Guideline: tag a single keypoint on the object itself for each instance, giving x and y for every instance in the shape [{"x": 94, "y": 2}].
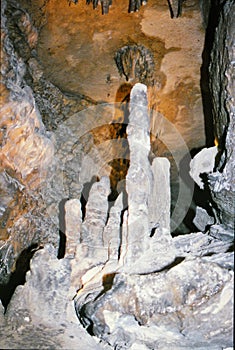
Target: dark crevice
[
  {"x": 62, "y": 229},
  {"x": 230, "y": 249},
  {"x": 85, "y": 194},
  {"x": 170, "y": 8},
  {"x": 17, "y": 277},
  {"x": 209, "y": 254},
  {"x": 213, "y": 20},
  {"x": 85, "y": 321},
  {"x": 179, "y": 9},
  {"x": 125, "y": 206},
  {"x": 152, "y": 233},
  {"x": 212, "y": 208},
  {"x": 177, "y": 261}
]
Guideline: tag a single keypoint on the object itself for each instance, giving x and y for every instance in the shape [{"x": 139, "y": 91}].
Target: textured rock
[
  {"x": 95, "y": 220},
  {"x": 162, "y": 290},
  {"x": 200, "y": 244},
  {"x": 139, "y": 176},
  {"x": 41, "y": 313},
  {"x": 222, "y": 89},
  {"x": 112, "y": 230},
  {"x": 26, "y": 148},
  {"x": 202, "y": 219},
  {"x": 139, "y": 309}
]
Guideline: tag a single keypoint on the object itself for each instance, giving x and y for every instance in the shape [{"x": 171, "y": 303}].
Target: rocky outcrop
[{"x": 221, "y": 181}]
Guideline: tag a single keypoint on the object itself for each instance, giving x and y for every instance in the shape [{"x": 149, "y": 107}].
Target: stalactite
[
  {"x": 105, "y": 6},
  {"x": 134, "y": 5},
  {"x": 175, "y": 6},
  {"x": 135, "y": 62},
  {"x": 94, "y": 2}
]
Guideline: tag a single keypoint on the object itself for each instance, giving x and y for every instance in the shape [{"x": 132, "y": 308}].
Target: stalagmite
[
  {"x": 95, "y": 220},
  {"x": 73, "y": 220},
  {"x": 160, "y": 199},
  {"x": 112, "y": 234},
  {"x": 148, "y": 191},
  {"x": 139, "y": 176}
]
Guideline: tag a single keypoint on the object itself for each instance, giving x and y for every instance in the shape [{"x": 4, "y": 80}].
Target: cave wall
[
  {"x": 26, "y": 150},
  {"x": 222, "y": 84}
]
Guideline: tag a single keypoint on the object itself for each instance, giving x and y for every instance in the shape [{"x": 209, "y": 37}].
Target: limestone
[
  {"x": 136, "y": 63},
  {"x": 96, "y": 213},
  {"x": 139, "y": 176},
  {"x": 137, "y": 240},
  {"x": 27, "y": 148},
  {"x": 157, "y": 281},
  {"x": 112, "y": 231}
]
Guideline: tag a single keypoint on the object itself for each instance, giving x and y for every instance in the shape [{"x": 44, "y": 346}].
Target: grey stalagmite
[{"x": 145, "y": 184}]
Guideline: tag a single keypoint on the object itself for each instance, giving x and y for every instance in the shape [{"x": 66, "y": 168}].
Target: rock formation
[
  {"x": 135, "y": 63},
  {"x": 221, "y": 181},
  {"x": 129, "y": 299},
  {"x": 219, "y": 163},
  {"x": 87, "y": 256}
]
